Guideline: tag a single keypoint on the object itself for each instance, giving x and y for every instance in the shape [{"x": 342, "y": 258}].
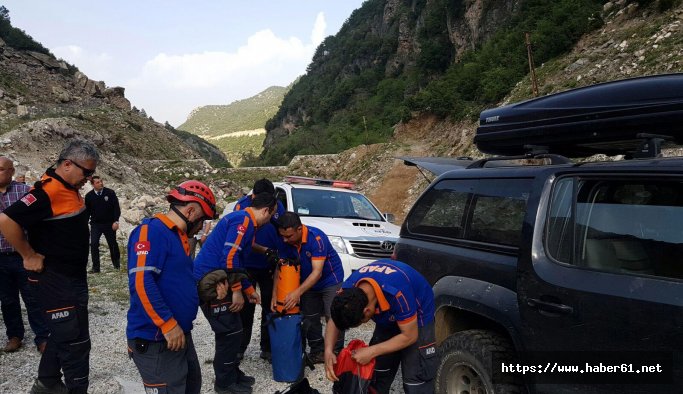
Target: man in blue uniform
[
  {"x": 260, "y": 270},
  {"x": 321, "y": 276},
  {"x": 227, "y": 247},
  {"x": 401, "y": 303},
  {"x": 163, "y": 292}
]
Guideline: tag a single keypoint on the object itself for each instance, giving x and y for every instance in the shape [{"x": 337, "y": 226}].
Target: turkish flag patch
[
  {"x": 29, "y": 199},
  {"x": 241, "y": 228},
  {"x": 142, "y": 247}
]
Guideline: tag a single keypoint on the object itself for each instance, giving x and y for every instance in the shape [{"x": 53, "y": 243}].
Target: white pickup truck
[{"x": 358, "y": 231}]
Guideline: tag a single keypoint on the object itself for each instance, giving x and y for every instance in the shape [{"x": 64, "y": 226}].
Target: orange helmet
[{"x": 195, "y": 191}]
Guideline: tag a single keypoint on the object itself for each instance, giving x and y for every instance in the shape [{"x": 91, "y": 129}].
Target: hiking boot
[
  {"x": 94, "y": 271},
  {"x": 317, "y": 358},
  {"x": 235, "y": 388},
  {"x": 13, "y": 344},
  {"x": 244, "y": 379},
  {"x": 40, "y": 388}
]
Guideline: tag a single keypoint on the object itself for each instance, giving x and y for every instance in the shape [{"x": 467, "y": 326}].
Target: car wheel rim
[{"x": 463, "y": 379}]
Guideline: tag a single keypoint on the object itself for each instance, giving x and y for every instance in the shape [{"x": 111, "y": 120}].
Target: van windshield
[{"x": 333, "y": 204}]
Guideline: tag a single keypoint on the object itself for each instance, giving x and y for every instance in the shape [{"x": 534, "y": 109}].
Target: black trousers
[
  {"x": 65, "y": 303},
  {"x": 96, "y": 231},
  {"x": 165, "y": 371},
  {"x": 13, "y": 282},
  {"x": 418, "y": 361},
  {"x": 227, "y": 327},
  {"x": 264, "y": 279},
  {"x": 314, "y": 305}
]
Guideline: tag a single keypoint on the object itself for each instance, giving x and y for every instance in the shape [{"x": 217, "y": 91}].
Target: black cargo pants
[
  {"x": 264, "y": 279},
  {"x": 227, "y": 327},
  {"x": 164, "y": 371},
  {"x": 64, "y": 300},
  {"x": 418, "y": 361}
]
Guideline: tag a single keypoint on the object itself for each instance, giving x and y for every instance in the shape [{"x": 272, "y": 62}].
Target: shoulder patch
[
  {"x": 142, "y": 247},
  {"x": 29, "y": 199},
  {"x": 241, "y": 229}
]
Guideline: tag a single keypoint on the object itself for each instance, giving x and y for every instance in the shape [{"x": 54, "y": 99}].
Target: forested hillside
[
  {"x": 248, "y": 114},
  {"x": 396, "y": 60}
]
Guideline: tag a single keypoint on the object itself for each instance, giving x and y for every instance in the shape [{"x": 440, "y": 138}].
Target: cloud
[
  {"x": 98, "y": 65},
  {"x": 170, "y": 86}
]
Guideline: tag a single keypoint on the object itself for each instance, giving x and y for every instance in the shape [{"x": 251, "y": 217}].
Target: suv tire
[{"x": 466, "y": 359}]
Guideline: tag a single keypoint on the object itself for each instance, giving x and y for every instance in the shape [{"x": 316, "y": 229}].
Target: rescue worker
[
  {"x": 55, "y": 252},
  {"x": 259, "y": 268},
  {"x": 401, "y": 303},
  {"x": 321, "y": 276},
  {"x": 227, "y": 247},
  {"x": 163, "y": 292}
]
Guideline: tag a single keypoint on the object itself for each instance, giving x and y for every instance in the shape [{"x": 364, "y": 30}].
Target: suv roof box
[{"x": 607, "y": 118}]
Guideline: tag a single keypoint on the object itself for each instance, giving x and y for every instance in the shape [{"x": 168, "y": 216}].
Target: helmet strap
[{"x": 190, "y": 226}]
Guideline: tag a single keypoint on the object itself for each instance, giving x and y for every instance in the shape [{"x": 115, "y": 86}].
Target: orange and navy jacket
[
  {"x": 54, "y": 216},
  {"x": 227, "y": 246},
  {"x": 163, "y": 292},
  {"x": 315, "y": 246},
  {"x": 266, "y": 235},
  {"x": 403, "y": 295}
]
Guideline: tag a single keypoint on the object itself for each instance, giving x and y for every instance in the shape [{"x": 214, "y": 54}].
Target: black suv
[{"x": 542, "y": 264}]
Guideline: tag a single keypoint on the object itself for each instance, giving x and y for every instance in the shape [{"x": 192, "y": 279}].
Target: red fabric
[{"x": 345, "y": 363}]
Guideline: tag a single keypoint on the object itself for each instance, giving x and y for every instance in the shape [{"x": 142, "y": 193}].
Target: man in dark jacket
[
  {"x": 104, "y": 219},
  {"x": 56, "y": 255}
]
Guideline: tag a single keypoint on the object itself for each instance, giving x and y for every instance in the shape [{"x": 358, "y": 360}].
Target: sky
[{"x": 173, "y": 56}]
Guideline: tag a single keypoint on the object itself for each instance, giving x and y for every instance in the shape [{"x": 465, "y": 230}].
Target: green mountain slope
[
  {"x": 394, "y": 60},
  {"x": 247, "y": 114}
]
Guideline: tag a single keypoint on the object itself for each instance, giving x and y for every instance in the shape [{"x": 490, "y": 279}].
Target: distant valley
[{"x": 238, "y": 128}]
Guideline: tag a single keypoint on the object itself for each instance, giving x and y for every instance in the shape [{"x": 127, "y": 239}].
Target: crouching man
[
  {"x": 226, "y": 248},
  {"x": 401, "y": 303},
  {"x": 163, "y": 292}
]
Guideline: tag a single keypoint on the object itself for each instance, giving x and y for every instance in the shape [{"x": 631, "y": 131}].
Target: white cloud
[
  {"x": 170, "y": 86},
  {"x": 98, "y": 66}
]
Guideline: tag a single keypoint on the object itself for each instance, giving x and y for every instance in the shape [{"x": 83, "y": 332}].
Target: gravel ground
[{"x": 110, "y": 369}]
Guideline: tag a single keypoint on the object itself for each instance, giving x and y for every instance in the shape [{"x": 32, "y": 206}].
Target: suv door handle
[{"x": 549, "y": 307}]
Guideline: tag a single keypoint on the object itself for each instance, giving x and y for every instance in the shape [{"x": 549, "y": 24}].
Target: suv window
[
  {"x": 489, "y": 210},
  {"x": 625, "y": 226},
  {"x": 281, "y": 195}
]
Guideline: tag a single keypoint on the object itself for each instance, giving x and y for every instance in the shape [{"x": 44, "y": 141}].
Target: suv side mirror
[{"x": 390, "y": 217}]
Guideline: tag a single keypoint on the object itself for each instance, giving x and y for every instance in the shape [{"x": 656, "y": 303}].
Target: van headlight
[{"x": 338, "y": 244}]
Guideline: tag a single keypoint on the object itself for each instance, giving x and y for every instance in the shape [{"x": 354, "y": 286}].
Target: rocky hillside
[
  {"x": 394, "y": 60},
  {"x": 634, "y": 41}
]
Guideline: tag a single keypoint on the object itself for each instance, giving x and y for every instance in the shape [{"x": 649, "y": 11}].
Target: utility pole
[{"x": 532, "y": 69}]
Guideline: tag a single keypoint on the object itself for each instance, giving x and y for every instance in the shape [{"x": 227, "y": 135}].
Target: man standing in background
[
  {"x": 56, "y": 252},
  {"x": 104, "y": 219},
  {"x": 13, "y": 276}
]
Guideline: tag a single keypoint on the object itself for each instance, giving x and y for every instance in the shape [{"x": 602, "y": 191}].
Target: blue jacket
[
  {"x": 163, "y": 292},
  {"x": 266, "y": 235},
  {"x": 227, "y": 246},
  {"x": 403, "y": 294},
  {"x": 315, "y": 246}
]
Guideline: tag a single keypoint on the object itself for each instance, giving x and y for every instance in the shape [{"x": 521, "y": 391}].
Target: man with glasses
[{"x": 56, "y": 255}]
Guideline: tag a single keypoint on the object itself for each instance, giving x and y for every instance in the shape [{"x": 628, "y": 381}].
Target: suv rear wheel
[{"x": 466, "y": 359}]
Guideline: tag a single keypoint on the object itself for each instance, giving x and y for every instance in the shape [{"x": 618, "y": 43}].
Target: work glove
[{"x": 272, "y": 257}]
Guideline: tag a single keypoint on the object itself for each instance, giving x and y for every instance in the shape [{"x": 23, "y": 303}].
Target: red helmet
[{"x": 195, "y": 191}]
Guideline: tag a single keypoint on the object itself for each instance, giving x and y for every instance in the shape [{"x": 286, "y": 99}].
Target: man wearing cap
[
  {"x": 56, "y": 255},
  {"x": 163, "y": 292}
]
